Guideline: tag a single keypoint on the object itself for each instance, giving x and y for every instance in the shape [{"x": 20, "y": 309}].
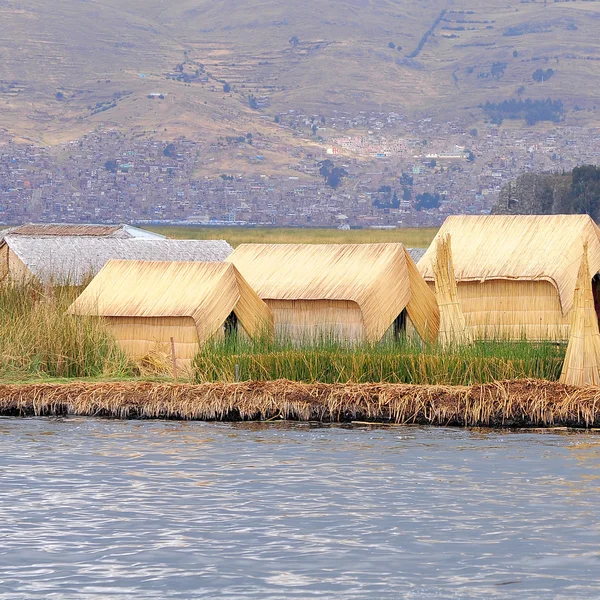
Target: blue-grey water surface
[{"x": 100, "y": 509}]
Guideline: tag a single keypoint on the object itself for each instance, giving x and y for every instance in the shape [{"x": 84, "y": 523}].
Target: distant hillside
[
  {"x": 203, "y": 67},
  {"x": 552, "y": 193}
]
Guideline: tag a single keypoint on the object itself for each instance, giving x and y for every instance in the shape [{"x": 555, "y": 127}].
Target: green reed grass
[
  {"x": 417, "y": 237},
  {"x": 39, "y": 338},
  {"x": 404, "y": 361}
]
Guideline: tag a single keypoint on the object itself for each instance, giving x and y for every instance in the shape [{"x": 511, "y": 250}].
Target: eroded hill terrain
[{"x": 199, "y": 67}]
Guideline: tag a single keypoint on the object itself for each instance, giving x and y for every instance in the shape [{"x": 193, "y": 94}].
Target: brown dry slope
[{"x": 67, "y": 66}]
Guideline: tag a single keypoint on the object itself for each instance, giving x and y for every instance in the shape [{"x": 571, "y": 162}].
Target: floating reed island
[
  {"x": 497, "y": 325},
  {"x": 519, "y": 403}
]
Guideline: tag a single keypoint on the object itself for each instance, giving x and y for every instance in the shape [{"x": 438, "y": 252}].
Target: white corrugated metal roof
[{"x": 73, "y": 259}]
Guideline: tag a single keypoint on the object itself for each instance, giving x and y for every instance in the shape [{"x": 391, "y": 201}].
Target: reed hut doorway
[
  {"x": 400, "y": 326},
  {"x": 596, "y": 292},
  {"x": 230, "y": 326}
]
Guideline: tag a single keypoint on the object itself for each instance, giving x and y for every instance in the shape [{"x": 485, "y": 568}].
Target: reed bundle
[
  {"x": 583, "y": 352},
  {"x": 453, "y": 327},
  {"x": 518, "y": 403}
]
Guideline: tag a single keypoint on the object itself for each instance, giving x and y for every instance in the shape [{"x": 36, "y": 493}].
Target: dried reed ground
[{"x": 518, "y": 403}]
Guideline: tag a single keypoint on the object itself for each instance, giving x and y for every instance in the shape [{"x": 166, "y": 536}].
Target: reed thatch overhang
[
  {"x": 381, "y": 279},
  {"x": 519, "y": 248},
  {"x": 72, "y": 259},
  {"x": 76, "y": 229},
  {"x": 204, "y": 291}
]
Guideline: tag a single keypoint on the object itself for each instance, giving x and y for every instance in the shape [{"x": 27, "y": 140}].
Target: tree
[
  {"x": 252, "y": 102},
  {"x": 226, "y": 88},
  {"x": 60, "y": 96},
  {"x": 427, "y": 201},
  {"x": 540, "y": 75},
  {"x": 331, "y": 174},
  {"x": 391, "y": 45},
  {"x": 294, "y": 41},
  {"x": 276, "y": 119},
  {"x": 385, "y": 197},
  {"x": 111, "y": 165},
  {"x": 170, "y": 151},
  {"x": 406, "y": 179},
  {"x": 470, "y": 156},
  {"x": 585, "y": 190}
]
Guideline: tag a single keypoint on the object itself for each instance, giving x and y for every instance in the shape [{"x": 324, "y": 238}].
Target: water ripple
[{"x": 116, "y": 510}]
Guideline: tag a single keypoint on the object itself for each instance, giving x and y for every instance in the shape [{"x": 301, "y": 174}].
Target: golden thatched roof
[
  {"x": 519, "y": 247},
  {"x": 206, "y": 292},
  {"x": 381, "y": 279}
]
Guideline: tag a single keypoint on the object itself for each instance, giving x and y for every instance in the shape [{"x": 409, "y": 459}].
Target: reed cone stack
[
  {"x": 453, "y": 327},
  {"x": 581, "y": 366}
]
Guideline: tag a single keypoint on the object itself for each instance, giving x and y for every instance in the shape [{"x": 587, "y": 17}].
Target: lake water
[{"x": 96, "y": 509}]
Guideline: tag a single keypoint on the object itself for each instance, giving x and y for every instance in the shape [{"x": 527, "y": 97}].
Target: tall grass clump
[
  {"x": 402, "y": 361},
  {"x": 39, "y": 338}
]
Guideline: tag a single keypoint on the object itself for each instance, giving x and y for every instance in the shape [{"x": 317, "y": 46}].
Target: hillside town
[{"x": 393, "y": 172}]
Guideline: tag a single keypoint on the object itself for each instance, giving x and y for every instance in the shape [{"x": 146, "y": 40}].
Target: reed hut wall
[
  {"x": 513, "y": 310},
  {"x": 139, "y": 336},
  {"x": 3, "y": 261},
  {"x": 516, "y": 275},
  {"x": 352, "y": 292},
  {"x": 313, "y": 320},
  {"x": 145, "y": 303},
  {"x": 11, "y": 266}
]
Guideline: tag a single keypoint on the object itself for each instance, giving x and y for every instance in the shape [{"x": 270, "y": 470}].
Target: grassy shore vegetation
[
  {"x": 411, "y": 237},
  {"x": 403, "y": 361},
  {"x": 39, "y": 340}
]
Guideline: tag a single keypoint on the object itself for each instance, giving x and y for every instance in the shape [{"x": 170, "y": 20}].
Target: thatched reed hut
[
  {"x": 145, "y": 303},
  {"x": 348, "y": 292},
  {"x": 516, "y": 275},
  {"x": 73, "y": 259}
]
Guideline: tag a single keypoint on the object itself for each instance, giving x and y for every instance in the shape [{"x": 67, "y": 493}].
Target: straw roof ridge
[
  {"x": 82, "y": 229},
  {"x": 314, "y": 271},
  {"x": 519, "y": 247},
  {"x": 73, "y": 258}
]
